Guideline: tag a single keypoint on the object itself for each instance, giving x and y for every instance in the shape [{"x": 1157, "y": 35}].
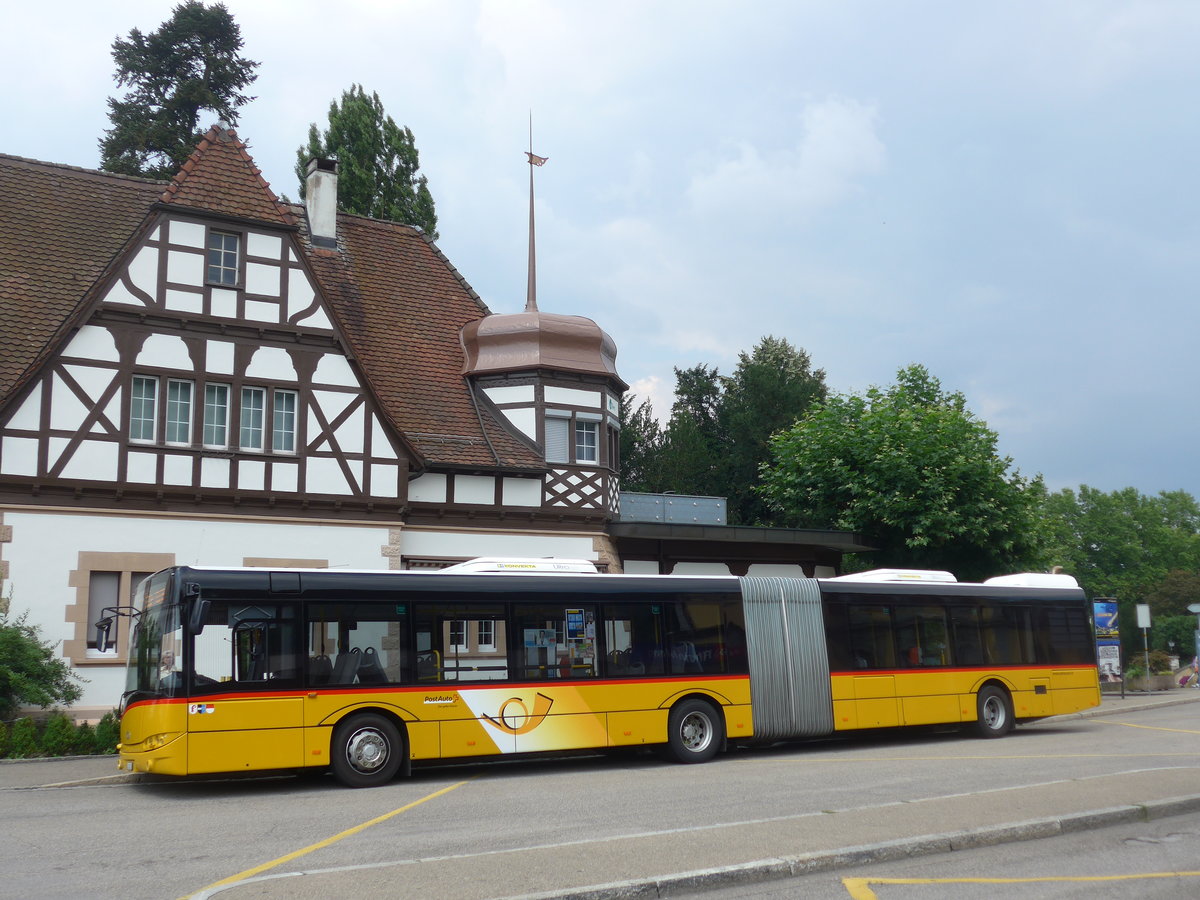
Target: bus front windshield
[{"x": 156, "y": 653}]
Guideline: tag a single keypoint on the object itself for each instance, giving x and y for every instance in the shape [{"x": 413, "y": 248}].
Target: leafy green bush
[
  {"x": 23, "y": 739},
  {"x": 107, "y": 734},
  {"x": 58, "y": 736},
  {"x": 31, "y": 673},
  {"x": 3, "y": 740}
]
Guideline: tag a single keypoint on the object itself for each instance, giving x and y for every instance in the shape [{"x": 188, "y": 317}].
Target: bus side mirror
[
  {"x": 199, "y": 614},
  {"x": 102, "y": 629}
]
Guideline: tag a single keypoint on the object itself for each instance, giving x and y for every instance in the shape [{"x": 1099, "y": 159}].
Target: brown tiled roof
[
  {"x": 60, "y": 229},
  {"x": 398, "y": 301},
  {"x": 221, "y": 178},
  {"x": 402, "y": 305}
]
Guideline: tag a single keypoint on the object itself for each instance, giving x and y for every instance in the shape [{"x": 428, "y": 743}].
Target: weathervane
[{"x": 531, "y": 287}]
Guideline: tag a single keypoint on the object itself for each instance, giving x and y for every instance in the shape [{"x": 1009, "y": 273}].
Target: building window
[
  {"x": 254, "y": 401},
  {"x": 458, "y": 636},
  {"x": 487, "y": 636},
  {"x": 222, "y": 258},
  {"x": 179, "y": 412},
  {"x": 558, "y": 441},
  {"x": 587, "y": 442},
  {"x": 216, "y": 415},
  {"x": 100, "y": 581},
  {"x": 143, "y": 407},
  {"x": 283, "y": 433}
]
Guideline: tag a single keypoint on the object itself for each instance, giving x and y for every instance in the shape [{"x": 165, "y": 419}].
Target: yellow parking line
[
  {"x": 1154, "y": 727},
  {"x": 860, "y": 888},
  {"x": 349, "y": 832}
]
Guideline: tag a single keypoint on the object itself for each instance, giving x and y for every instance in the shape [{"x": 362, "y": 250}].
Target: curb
[{"x": 779, "y": 868}]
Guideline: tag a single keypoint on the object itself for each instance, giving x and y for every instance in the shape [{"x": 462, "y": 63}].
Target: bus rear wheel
[
  {"x": 367, "y": 750},
  {"x": 694, "y": 732},
  {"x": 995, "y": 713}
]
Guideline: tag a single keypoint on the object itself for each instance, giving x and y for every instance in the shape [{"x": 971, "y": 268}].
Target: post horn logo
[{"x": 514, "y": 716}]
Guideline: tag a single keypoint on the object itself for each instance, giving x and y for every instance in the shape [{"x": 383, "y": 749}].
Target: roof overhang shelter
[{"x": 737, "y": 546}]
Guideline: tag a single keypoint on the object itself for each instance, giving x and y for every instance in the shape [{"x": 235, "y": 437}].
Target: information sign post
[{"x": 1143, "y": 621}]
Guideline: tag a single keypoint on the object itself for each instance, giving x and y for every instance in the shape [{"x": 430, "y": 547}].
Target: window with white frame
[
  {"x": 458, "y": 636},
  {"x": 587, "y": 442},
  {"x": 179, "y": 412},
  {"x": 222, "y": 260},
  {"x": 143, "y": 408},
  {"x": 487, "y": 635},
  {"x": 283, "y": 431},
  {"x": 253, "y": 418},
  {"x": 216, "y": 416}
]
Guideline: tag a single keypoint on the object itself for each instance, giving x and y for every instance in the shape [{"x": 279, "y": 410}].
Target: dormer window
[{"x": 222, "y": 258}]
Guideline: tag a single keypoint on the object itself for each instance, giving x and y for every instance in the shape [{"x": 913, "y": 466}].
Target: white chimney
[{"x": 320, "y": 201}]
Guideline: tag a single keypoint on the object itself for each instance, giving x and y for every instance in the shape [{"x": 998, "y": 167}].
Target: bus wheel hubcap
[
  {"x": 695, "y": 732},
  {"x": 367, "y": 750}
]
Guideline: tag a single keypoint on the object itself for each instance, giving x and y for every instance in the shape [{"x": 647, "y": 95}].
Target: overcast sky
[{"x": 1005, "y": 193}]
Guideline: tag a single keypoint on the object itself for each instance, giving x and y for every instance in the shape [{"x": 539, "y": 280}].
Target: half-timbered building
[{"x": 196, "y": 372}]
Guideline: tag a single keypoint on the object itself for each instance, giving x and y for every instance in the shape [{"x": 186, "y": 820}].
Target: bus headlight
[{"x": 159, "y": 740}]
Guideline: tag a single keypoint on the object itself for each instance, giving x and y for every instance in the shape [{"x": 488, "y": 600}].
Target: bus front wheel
[
  {"x": 367, "y": 750},
  {"x": 695, "y": 731},
  {"x": 995, "y": 712}
]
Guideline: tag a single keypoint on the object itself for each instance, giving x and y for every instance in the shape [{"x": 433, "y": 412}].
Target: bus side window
[
  {"x": 837, "y": 640},
  {"x": 871, "y": 638},
  {"x": 964, "y": 626}
]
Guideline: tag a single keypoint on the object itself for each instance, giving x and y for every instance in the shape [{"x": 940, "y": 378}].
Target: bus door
[{"x": 245, "y": 711}]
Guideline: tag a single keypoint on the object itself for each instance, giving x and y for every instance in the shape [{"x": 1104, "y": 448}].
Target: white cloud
[{"x": 837, "y": 147}]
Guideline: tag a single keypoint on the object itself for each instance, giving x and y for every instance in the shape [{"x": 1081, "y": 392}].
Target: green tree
[
  {"x": 912, "y": 469},
  {"x": 771, "y": 388},
  {"x": 693, "y": 442},
  {"x": 191, "y": 64},
  {"x": 641, "y": 446},
  {"x": 377, "y": 162},
  {"x": 1132, "y": 547},
  {"x": 31, "y": 674}
]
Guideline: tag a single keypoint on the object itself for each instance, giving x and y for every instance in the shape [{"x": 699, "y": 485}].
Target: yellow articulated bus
[{"x": 236, "y": 670}]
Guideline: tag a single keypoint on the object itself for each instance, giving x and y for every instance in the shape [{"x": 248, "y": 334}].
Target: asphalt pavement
[{"x": 653, "y": 866}]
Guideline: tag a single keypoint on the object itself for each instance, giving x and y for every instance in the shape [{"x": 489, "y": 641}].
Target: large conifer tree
[{"x": 191, "y": 65}]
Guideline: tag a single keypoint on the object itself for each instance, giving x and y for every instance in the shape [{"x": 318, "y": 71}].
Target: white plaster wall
[
  {"x": 414, "y": 542},
  {"x": 45, "y": 549},
  {"x": 572, "y": 396},
  {"x": 219, "y": 358},
  {"x": 428, "y": 488},
  {"x": 185, "y": 301},
  {"x": 189, "y": 234},
  {"x": 769, "y": 569},
  {"x": 18, "y": 456},
  {"x": 524, "y": 419},
  {"x": 522, "y": 492},
  {"x": 224, "y": 303},
  {"x": 271, "y": 364},
  {"x": 268, "y": 245},
  {"x": 700, "y": 568},
  {"x": 334, "y": 369},
  {"x": 182, "y": 268},
  {"x": 30, "y": 413},
  {"x": 475, "y": 489},
  {"x": 262, "y": 279},
  {"x": 517, "y": 393},
  {"x": 639, "y": 567},
  {"x": 164, "y": 351},
  {"x": 93, "y": 342},
  {"x": 143, "y": 270},
  {"x": 93, "y": 461}
]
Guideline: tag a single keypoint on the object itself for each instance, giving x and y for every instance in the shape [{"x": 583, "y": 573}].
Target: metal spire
[{"x": 531, "y": 286}]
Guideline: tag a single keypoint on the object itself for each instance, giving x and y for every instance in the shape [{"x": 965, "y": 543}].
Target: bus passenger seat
[
  {"x": 320, "y": 669},
  {"x": 346, "y": 667},
  {"x": 370, "y": 671}
]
